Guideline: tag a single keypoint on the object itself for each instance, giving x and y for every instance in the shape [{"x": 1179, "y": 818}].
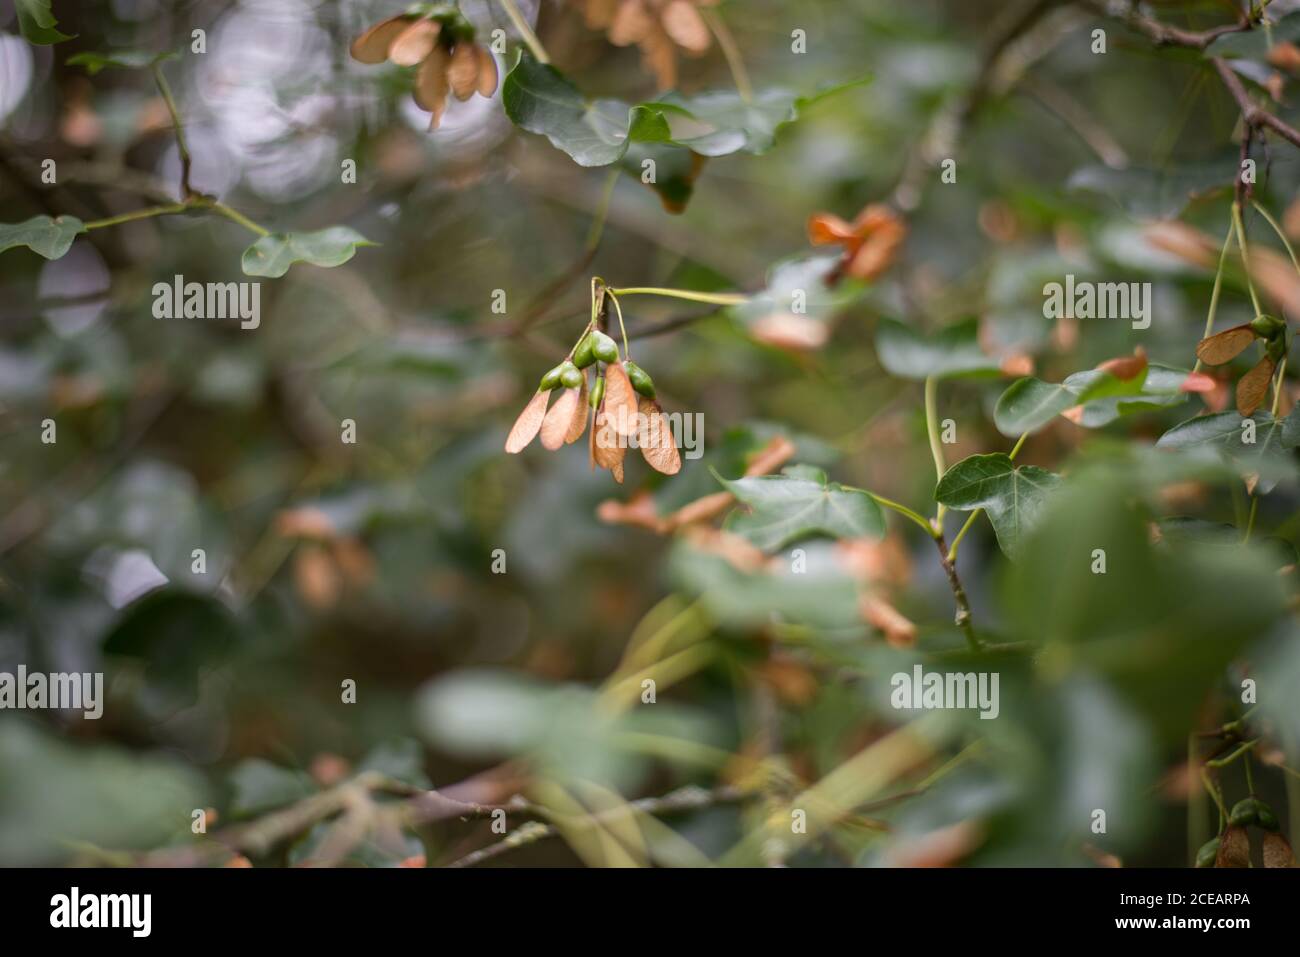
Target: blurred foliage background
[{"x": 373, "y": 562}]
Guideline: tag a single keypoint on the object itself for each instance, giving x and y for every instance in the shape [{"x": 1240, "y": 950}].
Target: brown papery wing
[
  {"x": 1224, "y": 346},
  {"x": 579, "y": 423},
  {"x": 529, "y": 421},
  {"x": 655, "y": 439},
  {"x": 620, "y": 400},
  {"x": 372, "y": 46},
  {"x": 1253, "y": 386},
  {"x": 556, "y": 424}
]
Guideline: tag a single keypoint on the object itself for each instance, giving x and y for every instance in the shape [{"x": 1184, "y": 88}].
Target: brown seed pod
[
  {"x": 620, "y": 400},
  {"x": 655, "y": 439},
  {"x": 529, "y": 421},
  {"x": 415, "y": 42},
  {"x": 487, "y": 72},
  {"x": 555, "y": 427},
  {"x": 687, "y": 28},
  {"x": 1277, "y": 851},
  {"x": 1234, "y": 849},
  {"x": 606, "y": 448},
  {"x": 462, "y": 74},
  {"x": 431, "y": 83},
  {"x": 316, "y": 576},
  {"x": 372, "y": 46},
  {"x": 1253, "y": 386},
  {"x": 578, "y": 425},
  {"x": 1224, "y": 346}
]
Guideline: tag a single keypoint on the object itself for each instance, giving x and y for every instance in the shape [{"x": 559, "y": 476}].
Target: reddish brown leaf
[
  {"x": 1198, "y": 382},
  {"x": 827, "y": 228},
  {"x": 1126, "y": 367},
  {"x": 687, "y": 28}
]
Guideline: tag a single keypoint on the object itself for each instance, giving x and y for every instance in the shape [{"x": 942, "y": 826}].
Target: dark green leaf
[
  {"x": 260, "y": 786},
  {"x": 1263, "y": 452},
  {"x": 1013, "y": 496}
]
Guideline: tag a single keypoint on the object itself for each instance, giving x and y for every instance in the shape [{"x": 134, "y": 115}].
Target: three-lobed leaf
[
  {"x": 49, "y": 237},
  {"x": 800, "y": 504},
  {"x": 1013, "y": 496},
  {"x": 273, "y": 255}
]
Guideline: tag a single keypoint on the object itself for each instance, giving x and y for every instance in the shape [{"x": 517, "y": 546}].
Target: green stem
[
  {"x": 178, "y": 127},
  {"x": 932, "y": 429},
  {"x": 1245, "y": 260},
  {"x": 618, "y": 310},
  {"x": 717, "y": 298},
  {"x": 525, "y": 31},
  {"x": 731, "y": 52},
  {"x": 602, "y": 213},
  {"x": 240, "y": 218},
  {"x": 169, "y": 210},
  {"x": 1223, "y": 762},
  {"x": 1250, "y": 522},
  {"x": 1218, "y": 285},
  {"x": 897, "y": 507}
]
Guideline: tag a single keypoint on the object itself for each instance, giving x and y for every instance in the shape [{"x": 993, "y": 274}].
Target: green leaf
[
  {"x": 539, "y": 98},
  {"x": 401, "y": 760},
  {"x": 273, "y": 255},
  {"x": 787, "y": 508},
  {"x": 260, "y": 786},
  {"x": 1029, "y": 404},
  {"x": 50, "y": 238},
  {"x": 36, "y": 22},
  {"x": 1267, "y": 453},
  {"x": 125, "y": 60},
  {"x": 824, "y": 595},
  {"x": 953, "y": 351},
  {"x": 1013, "y": 496},
  {"x": 1160, "y": 623}
]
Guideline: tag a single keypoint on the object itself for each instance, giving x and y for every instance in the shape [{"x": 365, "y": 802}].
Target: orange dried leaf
[
  {"x": 898, "y": 630},
  {"x": 1225, "y": 346},
  {"x": 1197, "y": 382},
  {"x": 687, "y": 28},
  {"x": 827, "y": 228},
  {"x": 632, "y": 23},
  {"x": 1126, "y": 368},
  {"x": 638, "y": 511},
  {"x": 529, "y": 421}
]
